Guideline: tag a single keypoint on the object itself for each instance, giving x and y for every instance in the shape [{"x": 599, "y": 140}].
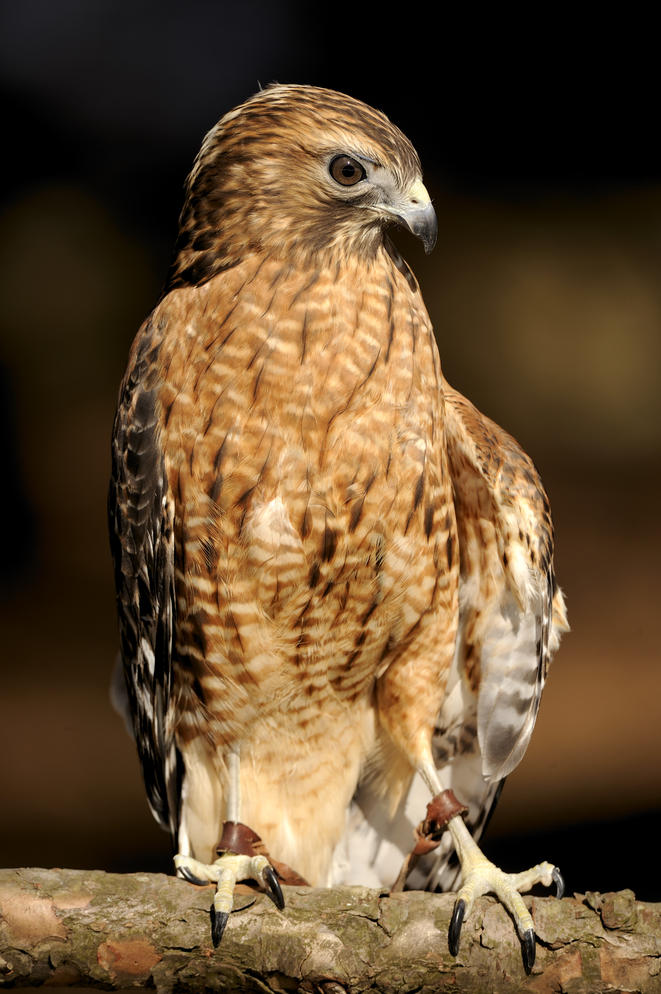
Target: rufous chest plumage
[{"x": 302, "y": 426}]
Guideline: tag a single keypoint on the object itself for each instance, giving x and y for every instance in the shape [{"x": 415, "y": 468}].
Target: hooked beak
[{"x": 417, "y": 214}]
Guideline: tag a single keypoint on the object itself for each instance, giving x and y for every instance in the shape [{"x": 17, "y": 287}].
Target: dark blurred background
[{"x": 539, "y": 143}]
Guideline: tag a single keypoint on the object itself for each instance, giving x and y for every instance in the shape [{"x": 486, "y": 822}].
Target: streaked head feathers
[{"x": 262, "y": 183}]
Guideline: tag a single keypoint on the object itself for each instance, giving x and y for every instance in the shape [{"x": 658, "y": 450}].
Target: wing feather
[
  {"x": 141, "y": 512},
  {"x": 511, "y": 613}
]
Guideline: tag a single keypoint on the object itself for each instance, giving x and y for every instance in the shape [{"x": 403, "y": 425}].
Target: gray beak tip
[{"x": 422, "y": 223}]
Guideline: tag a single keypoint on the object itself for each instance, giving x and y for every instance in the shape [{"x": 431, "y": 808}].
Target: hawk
[{"x": 334, "y": 575}]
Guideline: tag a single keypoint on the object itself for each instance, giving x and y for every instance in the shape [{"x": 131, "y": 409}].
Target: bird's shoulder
[{"x": 494, "y": 478}]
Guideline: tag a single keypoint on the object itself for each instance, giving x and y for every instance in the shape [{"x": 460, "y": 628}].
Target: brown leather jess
[
  {"x": 428, "y": 833},
  {"x": 241, "y": 839}
]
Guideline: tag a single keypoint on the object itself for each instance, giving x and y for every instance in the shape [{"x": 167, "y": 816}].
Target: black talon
[
  {"x": 190, "y": 877},
  {"x": 273, "y": 887},
  {"x": 454, "y": 933},
  {"x": 218, "y": 922},
  {"x": 558, "y": 881},
  {"x": 528, "y": 949}
]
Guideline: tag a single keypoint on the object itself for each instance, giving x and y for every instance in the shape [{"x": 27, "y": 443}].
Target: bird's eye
[{"x": 346, "y": 171}]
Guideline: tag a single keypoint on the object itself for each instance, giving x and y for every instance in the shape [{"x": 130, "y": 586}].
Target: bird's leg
[
  {"x": 481, "y": 876},
  {"x": 237, "y": 860}
]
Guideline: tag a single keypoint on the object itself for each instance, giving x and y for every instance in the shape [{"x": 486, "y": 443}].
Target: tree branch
[{"x": 79, "y": 927}]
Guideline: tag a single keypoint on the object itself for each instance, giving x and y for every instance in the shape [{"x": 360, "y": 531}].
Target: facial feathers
[{"x": 261, "y": 182}]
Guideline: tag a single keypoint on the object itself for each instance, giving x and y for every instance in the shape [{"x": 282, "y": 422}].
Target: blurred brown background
[{"x": 539, "y": 147}]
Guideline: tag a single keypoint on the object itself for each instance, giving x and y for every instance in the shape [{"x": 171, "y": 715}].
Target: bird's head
[{"x": 299, "y": 172}]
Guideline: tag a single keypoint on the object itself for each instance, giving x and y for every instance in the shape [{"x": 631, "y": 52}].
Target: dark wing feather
[{"x": 141, "y": 512}]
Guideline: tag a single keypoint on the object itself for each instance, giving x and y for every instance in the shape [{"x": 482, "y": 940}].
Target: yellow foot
[
  {"x": 480, "y": 876},
  {"x": 225, "y": 872}
]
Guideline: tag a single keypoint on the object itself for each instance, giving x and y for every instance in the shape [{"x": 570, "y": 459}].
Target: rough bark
[{"x": 79, "y": 927}]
